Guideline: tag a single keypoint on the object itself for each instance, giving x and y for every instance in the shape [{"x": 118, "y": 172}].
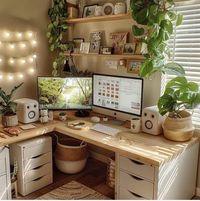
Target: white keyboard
[{"x": 105, "y": 129}]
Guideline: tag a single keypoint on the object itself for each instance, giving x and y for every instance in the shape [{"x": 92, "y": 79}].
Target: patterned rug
[{"x": 73, "y": 191}]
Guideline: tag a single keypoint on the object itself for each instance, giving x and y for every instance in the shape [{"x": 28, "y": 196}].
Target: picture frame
[
  {"x": 77, "y": 44},
  {"x": 107, "y": 50},
  {"x": 129, "y": 48},
  {"x": 133, "y": 66},
  {"x": 89, "y": 10},
  {"x": 95, "y": 41},
  {"x": 118, "y": 40},
  {"x": 85, "y": 48}
]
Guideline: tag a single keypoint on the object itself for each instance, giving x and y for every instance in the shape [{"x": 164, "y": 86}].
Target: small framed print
[
  {"x": 85, "y": 48},
  {"x": 129, "y": 48},
  {"x": 95, "y": 41},
  {"x": 133, "y": 66},
  {"x": 106, "y": 50},
  {"x": 89, "y": 11},
  {"x": 77, "y": 44}
]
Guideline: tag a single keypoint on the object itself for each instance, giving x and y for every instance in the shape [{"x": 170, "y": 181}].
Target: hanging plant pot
[
  {"x": 179, "y": 129},
  {"x": 9, "y": 120}
]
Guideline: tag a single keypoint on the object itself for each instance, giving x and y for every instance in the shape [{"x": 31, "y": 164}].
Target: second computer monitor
[{"x": 117, "y": 95}]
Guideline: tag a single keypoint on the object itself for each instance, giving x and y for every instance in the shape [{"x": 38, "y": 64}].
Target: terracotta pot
[
  {"x": 179, "y": 129},
  {"x": 71, "y": 156},
  {"x": 9, "y": 120}
]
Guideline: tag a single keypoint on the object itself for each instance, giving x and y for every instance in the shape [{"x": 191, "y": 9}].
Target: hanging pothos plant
[
  {"x": 57, "y": 28},
  {"x": 156, "y": 20}
]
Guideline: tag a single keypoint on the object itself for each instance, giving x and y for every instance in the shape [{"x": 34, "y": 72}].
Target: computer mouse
[{"x": 95, "y": 119}]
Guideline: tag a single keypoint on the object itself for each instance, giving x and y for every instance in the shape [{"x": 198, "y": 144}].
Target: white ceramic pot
[
  {"x": 179, "y": 129},
  {"x": 9, "y": 120}
]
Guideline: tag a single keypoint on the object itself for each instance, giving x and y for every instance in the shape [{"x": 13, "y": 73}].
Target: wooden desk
[{"x": 153, "y": 151}]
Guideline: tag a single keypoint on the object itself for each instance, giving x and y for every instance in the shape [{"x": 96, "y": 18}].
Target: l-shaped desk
[{"x": 147, "y": 167}]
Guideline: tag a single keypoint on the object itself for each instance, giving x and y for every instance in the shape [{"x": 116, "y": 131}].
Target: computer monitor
[
  {"x": 65, "y": 93},
  {"x": 117, "y": 96}
]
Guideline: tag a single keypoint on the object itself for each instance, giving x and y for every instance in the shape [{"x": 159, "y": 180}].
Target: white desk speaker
[
  {"x": 152, "y": 121},
  {"x": 27, "y": 110}
]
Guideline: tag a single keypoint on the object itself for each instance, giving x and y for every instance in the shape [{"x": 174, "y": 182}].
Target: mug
[
  {"x": 98, "y": 10},
  {"x": 44, "y": 112},
  {"x": 44, "y": 119},
  {"x": 135, "y": 125}
]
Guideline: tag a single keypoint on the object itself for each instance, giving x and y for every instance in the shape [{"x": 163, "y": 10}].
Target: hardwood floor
[{"x": 93, "y": 176}]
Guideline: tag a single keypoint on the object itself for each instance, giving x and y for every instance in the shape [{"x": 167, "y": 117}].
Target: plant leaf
[
  {"x": 137, "y": 31},
  {"x": 174, "y": 68},
  {"x": 179, "y": 19}
]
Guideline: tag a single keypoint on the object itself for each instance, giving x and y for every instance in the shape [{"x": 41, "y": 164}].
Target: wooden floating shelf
[
  {"x": 99, "y": 18},
  {"x": 122, "y": 56}
]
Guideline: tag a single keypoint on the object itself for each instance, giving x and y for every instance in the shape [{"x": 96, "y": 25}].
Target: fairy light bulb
[
  {"x": 11, "y": 61},
  {"x": 23, "y": 45},
  {"x": 34, "y": 42},
  {"x": 21, "y": 76},
  {"x": 19, "y": 35},
  {"x": 12, "y": 46},
  {"x": 1, "y": 77},
  {"x": 10, "y": 77},
  {"x": 34, "y": 56},
  {"x": 7, "y": 34},
  {"x": 31, "y": 70},
  {"x": 1, "y": 60},
  {"x": 31, "y": 60},
  {"x": 23, "y": 61},
  {"x": 30, "y": 34}
]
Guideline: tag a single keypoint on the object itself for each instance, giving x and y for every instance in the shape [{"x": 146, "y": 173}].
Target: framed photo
[
  {"x": 85, "y": 48},
  {"x": 129, "y": 48},
  {"x": 95, "y": 42},
  {"x": 133, "y": 66},
  {"x": 106, "y": 50},
  {"x": 118, "y": 40},
  {"x": 77, "y": 44},
  {"x": 89, "y": 11}
]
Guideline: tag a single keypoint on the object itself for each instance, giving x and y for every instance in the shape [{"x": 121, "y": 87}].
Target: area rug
[{"x": 73, "y": 191}]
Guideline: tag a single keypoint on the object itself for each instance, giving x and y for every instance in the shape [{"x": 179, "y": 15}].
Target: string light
[
  {"x": 10, "y": 77},
  {"x": 34, "y": 42},
  {"x": 31, "y": 70},
  {"x": 30, "y": 34},
  {"x": 19, "y": 35},
  {"x": 21, "y": 76},
  {"x": 31, "y": 60},
  {"x": 23, "y": 45},
  {"x": 11, "y": 61},
  {"x": 6, "y": 34},
  {"x": 22, "y": 61},
  {"x": 34, "y": 56},
  {"x": 1, "y": 60},
  {"x": 12, "y": 46}
]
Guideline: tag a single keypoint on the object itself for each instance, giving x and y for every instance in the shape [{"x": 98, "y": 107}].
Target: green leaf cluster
[
  {"x": 179, "y": 95},
  {"x": 56, "y": 29},
  {"x": 155, "y": 24},
  {"x": 7, "y": 106}
]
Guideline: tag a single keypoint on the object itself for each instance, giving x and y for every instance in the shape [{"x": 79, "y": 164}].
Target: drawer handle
[
  {"x": 38, "y": 167},
  {"x": 136, "y": 178},
  {"x": 137, "y": 162},
  {"x": 37, "y": 156},
  {"x": 38, "y": 178},
  {"x": 136, "y": 195}
]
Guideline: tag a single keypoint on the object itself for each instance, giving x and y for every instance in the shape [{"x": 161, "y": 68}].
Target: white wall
[{"x": 22, "y": 15}]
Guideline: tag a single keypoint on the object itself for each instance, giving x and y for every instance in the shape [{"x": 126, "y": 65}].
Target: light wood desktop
[{"x": 145, "y": 161}]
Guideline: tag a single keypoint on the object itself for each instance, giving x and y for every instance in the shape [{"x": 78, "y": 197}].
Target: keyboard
[{"x": 105, "y": 129}]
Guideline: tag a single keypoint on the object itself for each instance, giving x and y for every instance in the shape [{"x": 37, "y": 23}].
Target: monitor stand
[{"x": 82, "y": 113}]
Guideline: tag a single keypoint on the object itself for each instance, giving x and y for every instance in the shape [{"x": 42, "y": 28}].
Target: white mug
[
  {"x": 44, "y": 119},
  {"x": 135, "y": 125},
  {"x": 98, "y": 10},
  {"x": 44, "y": 112}
]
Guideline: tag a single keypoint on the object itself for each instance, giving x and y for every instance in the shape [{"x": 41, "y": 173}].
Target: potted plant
[
  {"x": 63, "y": 116},
  {"x": 8, "y": 108},
  {"x": 155, "y": 25},
  {"x": 179, "y": 97}
]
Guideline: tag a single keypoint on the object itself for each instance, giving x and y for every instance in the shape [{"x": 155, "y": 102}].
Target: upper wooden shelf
[
  {"x": 124, "y": 56},
  {"x": 99, "y": 18}
]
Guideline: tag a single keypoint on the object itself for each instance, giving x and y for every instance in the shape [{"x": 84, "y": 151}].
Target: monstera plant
[{"x": 156, "y": 20}]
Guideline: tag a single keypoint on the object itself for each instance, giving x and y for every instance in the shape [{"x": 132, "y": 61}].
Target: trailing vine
[
  {"x": 157, "y": 18},
  {"x": 56, "y": 31}
]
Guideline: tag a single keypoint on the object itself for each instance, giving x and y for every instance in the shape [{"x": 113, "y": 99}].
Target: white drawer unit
[
  {"x": 5, "y": 190},
  {"x": 34, "y": 159},
  {"x": 171, "y": 180}
]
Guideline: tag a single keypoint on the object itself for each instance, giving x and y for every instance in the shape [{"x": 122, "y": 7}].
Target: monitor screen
[
  {"x": 65, "y": 93},
  {"x": 123, "y": 94}
]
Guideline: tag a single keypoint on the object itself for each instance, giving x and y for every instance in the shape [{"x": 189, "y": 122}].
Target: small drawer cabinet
[
  {"x": 171, "y": 180},
  {"x": 5, "y": 191},
  {"x": 34, "y": 159}
]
